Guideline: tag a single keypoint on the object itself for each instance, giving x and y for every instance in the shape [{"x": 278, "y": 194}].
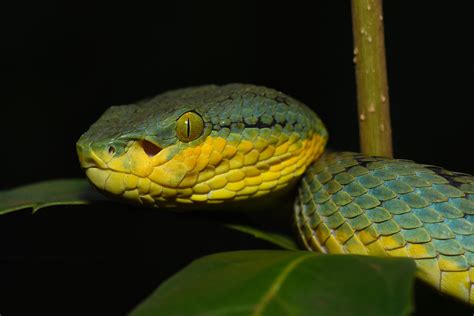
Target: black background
[{"x": 62, "y": 65}]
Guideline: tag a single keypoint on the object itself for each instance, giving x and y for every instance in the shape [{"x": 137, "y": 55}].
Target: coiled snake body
[{"x": 211, "y": 144}]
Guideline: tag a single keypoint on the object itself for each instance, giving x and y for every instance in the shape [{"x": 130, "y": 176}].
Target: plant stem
[{"x": 371, "y": 76}]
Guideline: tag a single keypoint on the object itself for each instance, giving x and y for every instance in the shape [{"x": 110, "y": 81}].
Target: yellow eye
[{"x": 189, "y": 126}]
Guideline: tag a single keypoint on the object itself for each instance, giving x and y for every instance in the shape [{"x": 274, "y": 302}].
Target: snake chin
[{"x": 126, "y": 187}]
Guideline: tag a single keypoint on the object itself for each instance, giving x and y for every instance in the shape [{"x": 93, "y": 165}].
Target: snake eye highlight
[{"x": 189, "y": 126}]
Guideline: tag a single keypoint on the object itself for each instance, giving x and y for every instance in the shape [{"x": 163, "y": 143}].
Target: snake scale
[{"x": 222, "y": 144}]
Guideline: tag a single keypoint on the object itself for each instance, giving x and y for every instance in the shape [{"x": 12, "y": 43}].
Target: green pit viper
[{"x": 224, "y": 144}]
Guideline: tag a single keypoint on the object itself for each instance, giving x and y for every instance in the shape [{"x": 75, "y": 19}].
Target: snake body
[{"x": 223, "y": 144}]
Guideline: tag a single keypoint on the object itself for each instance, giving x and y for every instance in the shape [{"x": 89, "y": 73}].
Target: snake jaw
[{"x": 213, "y": 171}]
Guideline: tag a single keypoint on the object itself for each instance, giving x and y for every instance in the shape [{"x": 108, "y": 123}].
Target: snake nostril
[
  {"x": 111, "y": 150},
  {"x": 150, "y": 149}
]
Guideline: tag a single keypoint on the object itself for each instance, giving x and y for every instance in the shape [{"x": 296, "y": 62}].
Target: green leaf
[
  {"x": 48, "y": 193},
  {"x": 279, "y": 239},
  {"x": 262, "y": 283}
]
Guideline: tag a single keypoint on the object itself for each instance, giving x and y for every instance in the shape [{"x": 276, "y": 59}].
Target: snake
[{"x": 214, "y": 145}]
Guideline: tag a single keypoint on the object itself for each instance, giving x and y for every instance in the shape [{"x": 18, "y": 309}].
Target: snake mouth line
[{"x": 145, "y": 191}]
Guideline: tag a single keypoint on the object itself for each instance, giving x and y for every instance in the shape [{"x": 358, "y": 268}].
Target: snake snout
[{"x": 95, "y": 155}]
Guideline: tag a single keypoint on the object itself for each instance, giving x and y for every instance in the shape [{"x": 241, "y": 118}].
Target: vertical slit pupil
[{"x": 188, "y": 127}]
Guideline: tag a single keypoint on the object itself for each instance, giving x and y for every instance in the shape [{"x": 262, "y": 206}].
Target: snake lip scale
[{"x": 209, "y": 145}]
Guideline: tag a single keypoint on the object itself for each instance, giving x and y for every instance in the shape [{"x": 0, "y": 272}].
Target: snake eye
[{"x": 189, "y": 126}]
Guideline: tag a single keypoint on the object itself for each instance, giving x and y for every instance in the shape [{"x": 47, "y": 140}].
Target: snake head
[{"x": 200, "y": 145}]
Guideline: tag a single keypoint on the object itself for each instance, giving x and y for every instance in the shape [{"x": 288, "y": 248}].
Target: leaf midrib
[{"x": 276, "y": 285}]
